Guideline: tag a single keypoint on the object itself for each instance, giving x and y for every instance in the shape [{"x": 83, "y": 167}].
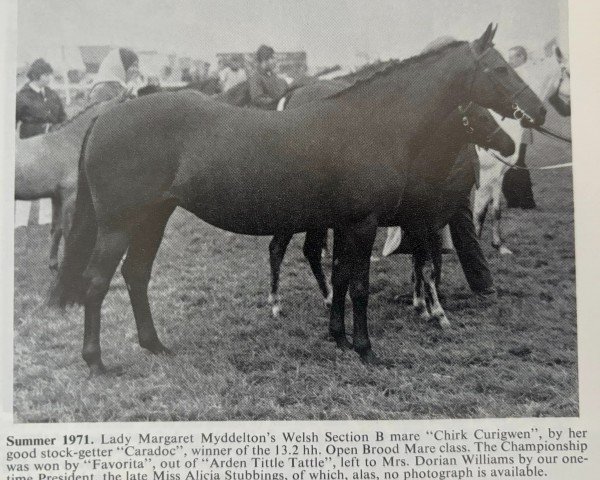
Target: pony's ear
[
  {"x": 485, "y": 41},
  {"x": 559, "y": 54}
]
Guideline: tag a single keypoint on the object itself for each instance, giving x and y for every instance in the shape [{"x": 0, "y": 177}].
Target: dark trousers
[
  {"x": 471, "y": 257},
  {"x": 516, "y": 184}
]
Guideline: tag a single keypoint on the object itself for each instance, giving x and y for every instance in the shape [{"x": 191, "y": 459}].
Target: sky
[{"x": 346, "y": 32}]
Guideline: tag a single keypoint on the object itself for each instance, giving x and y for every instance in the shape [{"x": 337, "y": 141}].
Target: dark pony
[
  {"x": 341, "y": 162},
  {"x": 430, "y": 200}
]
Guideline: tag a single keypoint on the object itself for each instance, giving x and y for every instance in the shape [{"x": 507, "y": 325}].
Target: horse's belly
[
  {"x": 266, "y": 220},
  {"x": 258, "y": 213}
]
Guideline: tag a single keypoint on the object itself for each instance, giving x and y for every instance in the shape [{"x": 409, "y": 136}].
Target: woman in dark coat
[{"x": 38, "y": 106}]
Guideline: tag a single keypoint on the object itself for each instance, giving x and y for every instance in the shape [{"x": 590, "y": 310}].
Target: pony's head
[
  {"x": 496, "y": 85},
  {"x": 560, "y": 87},
  {"x": 481, "y": 129}
]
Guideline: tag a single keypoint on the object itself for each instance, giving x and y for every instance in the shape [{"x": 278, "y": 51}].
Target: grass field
[{"x": 515, "y": 357}]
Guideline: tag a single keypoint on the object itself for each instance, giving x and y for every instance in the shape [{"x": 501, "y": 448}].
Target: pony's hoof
[
  {"x": 443, "y": 322},
  {"x": 368, "y": 357},
  {"x": 502, "y": 249},
  {"x": 422, "y": 313},
  {"x": 53, "y": 265},
  {"x": 157, "y": 348},
  {"x": 341, "y": 342},
  {"x": 327, "y": 301},
  {"x": 276, "y": 311}
]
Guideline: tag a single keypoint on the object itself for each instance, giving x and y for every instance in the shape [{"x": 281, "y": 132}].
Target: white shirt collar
[{"x": 37, "y": 88}]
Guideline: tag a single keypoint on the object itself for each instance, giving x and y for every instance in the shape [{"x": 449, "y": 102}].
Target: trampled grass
[{"x": 515, "y": 357}]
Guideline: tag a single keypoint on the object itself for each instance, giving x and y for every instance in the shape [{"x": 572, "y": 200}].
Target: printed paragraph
[{"x": 296, "y": 455}]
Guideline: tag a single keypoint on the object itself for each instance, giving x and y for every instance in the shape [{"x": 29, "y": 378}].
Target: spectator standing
[
  {"x": 38, "y": 106},
  {"x": 233, "y": 74},
  {"x": 266, "y": 88},
  {"x": 118, "y": 73}
]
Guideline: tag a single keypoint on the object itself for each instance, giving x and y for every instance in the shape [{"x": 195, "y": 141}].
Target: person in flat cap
[
  {"x": 118, "y": 73},
  {"x": 266, "y": 88},
  {"x": 38, "y": 106}
]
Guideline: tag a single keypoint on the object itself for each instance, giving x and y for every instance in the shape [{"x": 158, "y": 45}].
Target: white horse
[{"x": 548, "y": 76}]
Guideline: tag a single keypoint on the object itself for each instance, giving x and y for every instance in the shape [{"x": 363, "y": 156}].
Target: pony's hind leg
[
  {"x": 426, "y": 265},
  {"x": 419, "y": 303},
  {"x": 497, "y": 241},
  {"x": 433, "y": 280},
  {"x": 277, "y": 248},
  {"x": 56, "y": 232},
  {"x": 145, "y": 240},
  {"x": 108, "y": 251},
  {"x": 314, "y": 243},
  {"x": 340, "y": 279}
]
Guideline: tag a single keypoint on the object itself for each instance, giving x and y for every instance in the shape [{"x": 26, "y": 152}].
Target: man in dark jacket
[
  {"x": 463, "y": 176},
  {"x": 266, "y": 88},
  {"x": 38, "y": 106},
  {"x": 455, "y": 197}
]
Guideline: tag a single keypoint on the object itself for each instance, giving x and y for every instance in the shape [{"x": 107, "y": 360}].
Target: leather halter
[{"x": 518, "y": 112}]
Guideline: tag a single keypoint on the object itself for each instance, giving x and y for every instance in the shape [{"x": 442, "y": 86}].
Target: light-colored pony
[
  {"x": 46, "y": 167},
  {"x": 547, "y": 75}
]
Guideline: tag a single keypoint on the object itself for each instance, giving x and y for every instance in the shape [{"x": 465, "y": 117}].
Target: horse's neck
[
  {"x": 448, "y": 140},
  {"x": 438, "y": 156},
  {"x": 412, "y": 99}
]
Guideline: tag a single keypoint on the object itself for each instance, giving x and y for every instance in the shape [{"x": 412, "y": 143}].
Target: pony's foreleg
[
  {"x": 352, "y": 258},
  {"x": 108, "y": 251},
  {"x": 144, "y": 243},
  {"x": 277, "y": 249},
  {"x": 497, "y": 241},
  {"x": 56, "y": 232},
  {"x": 314, "y": 243}
]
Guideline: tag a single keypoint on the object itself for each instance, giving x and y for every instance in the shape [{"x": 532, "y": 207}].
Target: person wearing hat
[
  {"x": 118, "y": 73},
  {"x": 266, "y": 88},
  {"x": 38, "y": 106}
]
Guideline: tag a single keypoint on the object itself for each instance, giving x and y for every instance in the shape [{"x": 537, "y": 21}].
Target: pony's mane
[
  {"x": 385, "y": 68},
  {"x": 366, "y": 71},
  {"x": 69, "y": 121}
]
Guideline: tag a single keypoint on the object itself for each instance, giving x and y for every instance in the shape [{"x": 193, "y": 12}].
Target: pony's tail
[{"x": 69, "y": 285}]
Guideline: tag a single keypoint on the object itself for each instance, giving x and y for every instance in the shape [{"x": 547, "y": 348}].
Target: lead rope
[
  {"x": 516, "y": 167},
  {"x": 548, "y": 133}
]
